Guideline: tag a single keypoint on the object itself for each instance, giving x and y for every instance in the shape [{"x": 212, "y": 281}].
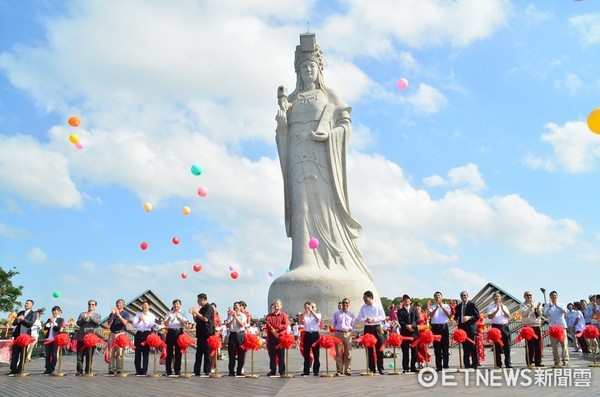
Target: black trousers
[
  {"x": 375, "y": 330},
  {"x": 499, "y": 350},
  {"x": 441, "y": 349},
  {"x": 275, "y": 353},
  {"x": 173, "y": 349},
  {"x": 17, "y": 357},
  {"x": 470, "y": 356},
  {"x": 534, "y": 347},
  {"x": 84, "y": 355},
  {"x": 309, "y": 339},
  {"x": 141, "y": 352},
  {"x": 51, "y": 356},
  {"x": 235, "y": 352},
  {"x": 202, "y": 355},
  {"x": 406, "y": 350}
]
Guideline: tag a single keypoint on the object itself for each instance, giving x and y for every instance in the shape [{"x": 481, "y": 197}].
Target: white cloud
[
  {"x": 575, "y": 148},
  {"x": 571, "y": 83},
  {"x": 30, "y": 170},
  {"x": 468, "y": 175},
  {"x": 456, "y": 280},
  {"x": 587, "y": 27},
  {"x": 427, "y": 99},
  {"x": 12, "y": 232},
  {"x": 89, "y": 266},
  {"x": 36, "y": 255}
]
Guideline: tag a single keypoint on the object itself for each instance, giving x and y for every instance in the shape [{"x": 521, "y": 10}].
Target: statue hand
[
  {"x": 320, "y": 135},
  {"x": 281, "y": 119}
]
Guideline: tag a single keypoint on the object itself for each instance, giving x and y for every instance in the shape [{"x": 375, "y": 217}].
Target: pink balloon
[
  {"x": 402, "y": 83},
  {"x": 202, "y": 191},
  {"x": 313, "y": 243},
  {"x": 79, "y": 145}
]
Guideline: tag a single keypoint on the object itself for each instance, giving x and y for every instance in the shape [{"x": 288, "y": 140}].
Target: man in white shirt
[
  {"x": 311, "y": 321},
  {"x": 531, "y": 315},
  {"x": 236, "y": 325},
  {"x": 143, "y": 323},
  {"x": 175, "y": 321},
  {"x": 556, "y": 313},
  {"x": 499, "y": 314},
  {"x": 439, "y": 316},
  {"x": 343, "y": 323},
  {"x": 372, "y": 315}
]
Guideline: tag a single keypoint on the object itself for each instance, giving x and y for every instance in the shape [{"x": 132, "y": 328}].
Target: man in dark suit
[
  {"x": 466, "y": 317},
  {"x": 23, "y": 322},
  {"x": 408, "y": 318},
  {"x": 204, "y": 316}
]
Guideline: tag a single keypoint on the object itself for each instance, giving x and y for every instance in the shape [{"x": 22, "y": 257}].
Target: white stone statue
[{"x": 313, "y": 129}]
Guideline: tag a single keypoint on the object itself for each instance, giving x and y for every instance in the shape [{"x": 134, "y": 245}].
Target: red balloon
[
  {"x": 175, "y": 240},
  {"x": 234, "y": 275},
  {"x": 144, "y": 245},
  {"x": 184, "y": 275},
  {"x": 197, "y": 267}
]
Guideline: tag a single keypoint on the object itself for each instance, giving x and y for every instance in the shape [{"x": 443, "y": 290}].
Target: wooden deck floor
[{"x": 356, "y": 385}]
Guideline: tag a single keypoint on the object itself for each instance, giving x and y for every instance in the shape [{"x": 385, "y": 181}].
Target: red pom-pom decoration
[
  {"x": 425, "y": 338},
  {"x": 184, "y": 341},
  {"x": 526, "y": 333},
  {"x": 62, "y": 340},
  {"x": 91, "y": 340},
  {"x": 155, "y": 341},
  {"x": 123, "y": 341},
  {"x": 494, "y": 335},
  {"x": 459, "y": 335},
  {"x": 367, "y": 340},
  {"x": 327, "y": 341},
  {"x": 251, "y": 343},
  {"x": 557, "y": 332},
  {"x": 286, "y": 341},
  {"x": 394, "y": 340},
  {"x": 214, "y": 342},
  {"x": 23, "y": 340},
  {"x": 590, "y": 332}
]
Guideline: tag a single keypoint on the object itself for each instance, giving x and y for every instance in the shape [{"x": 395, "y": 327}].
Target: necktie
[{"x": 462, "y": 316}]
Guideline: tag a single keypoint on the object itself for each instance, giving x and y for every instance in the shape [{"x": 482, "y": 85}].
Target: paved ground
[{"x": 491, "y": 382}]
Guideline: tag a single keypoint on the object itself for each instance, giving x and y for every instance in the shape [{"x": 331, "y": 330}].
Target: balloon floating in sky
[
  {"x": 196, "y": 170},
  {"x": 402, "y": 83},
  {"x": 175, "y": 240},
  {"x": 144, "y": 245},
  {"x": 230, "y": 268},
  {"x": 202, "y": 191},
  {"x": 74, "y": 121},
  {"x": 234, "y": 275},
  {"x": 186, "y": 210},
  {"x": 73, "y": 138},
  {"x": 79, "y": 145},
  {"x": 55, "y": 294},
  {"x": 313, "y": 243},
  {"x": 271, "y": 273},
  {"x": 184, "y": 275},
  {"x": 147, "y": 207},
  {"x": 593, "y": 121},
  {"x": 197, "y": 267}
]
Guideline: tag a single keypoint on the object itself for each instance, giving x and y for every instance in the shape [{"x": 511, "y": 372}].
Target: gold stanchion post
[
  {"x": 154, "y": 374},
  {"x": 252, "y": 375},
  {"x": 89, "y": 360},
  {"x": 185, "y": 374},
  {"x": 216, "y": 374},
  {"x": 58, "y": 371},
  {"x": 368, "y": 371},
  {"x": 287, "y": 367},
  {"x": 23, "y": 359},
  {"x": 394, "y": 372},
  {"x": 327, "y": 374}
]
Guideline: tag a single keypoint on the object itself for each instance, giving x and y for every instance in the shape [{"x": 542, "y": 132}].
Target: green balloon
[
  {"x": 55, "y": 294},
  {"x": 196, "y": 169}
]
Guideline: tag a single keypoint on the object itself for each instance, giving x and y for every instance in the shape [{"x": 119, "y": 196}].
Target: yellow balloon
[
  {"x": 593, "y": 121},
  {"x": 73, "y": 138},
  {"x": 148, "y": 207},
  {"x": 186, "y": 210}
]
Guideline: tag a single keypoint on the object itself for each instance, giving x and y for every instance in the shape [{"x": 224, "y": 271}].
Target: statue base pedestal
[{"x": 324, "y": 287}]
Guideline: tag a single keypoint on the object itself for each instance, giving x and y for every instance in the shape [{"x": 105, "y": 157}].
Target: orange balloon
[
  {"x": 186, "y": 210},
  {"x": 147, "y": 207},
  {"x": 74, "y": 121}
]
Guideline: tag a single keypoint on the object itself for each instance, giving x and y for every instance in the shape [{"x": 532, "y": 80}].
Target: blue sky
[{"x": 482, "y": 170}]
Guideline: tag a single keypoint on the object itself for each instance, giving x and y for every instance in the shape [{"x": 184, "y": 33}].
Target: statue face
[{"x": 309, "y": 72}]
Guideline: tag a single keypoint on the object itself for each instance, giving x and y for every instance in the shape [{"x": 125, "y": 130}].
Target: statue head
[{"x": 308, "y": 50}]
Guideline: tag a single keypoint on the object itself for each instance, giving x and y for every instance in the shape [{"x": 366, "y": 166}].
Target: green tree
[{"x": 8, "y": 292}]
